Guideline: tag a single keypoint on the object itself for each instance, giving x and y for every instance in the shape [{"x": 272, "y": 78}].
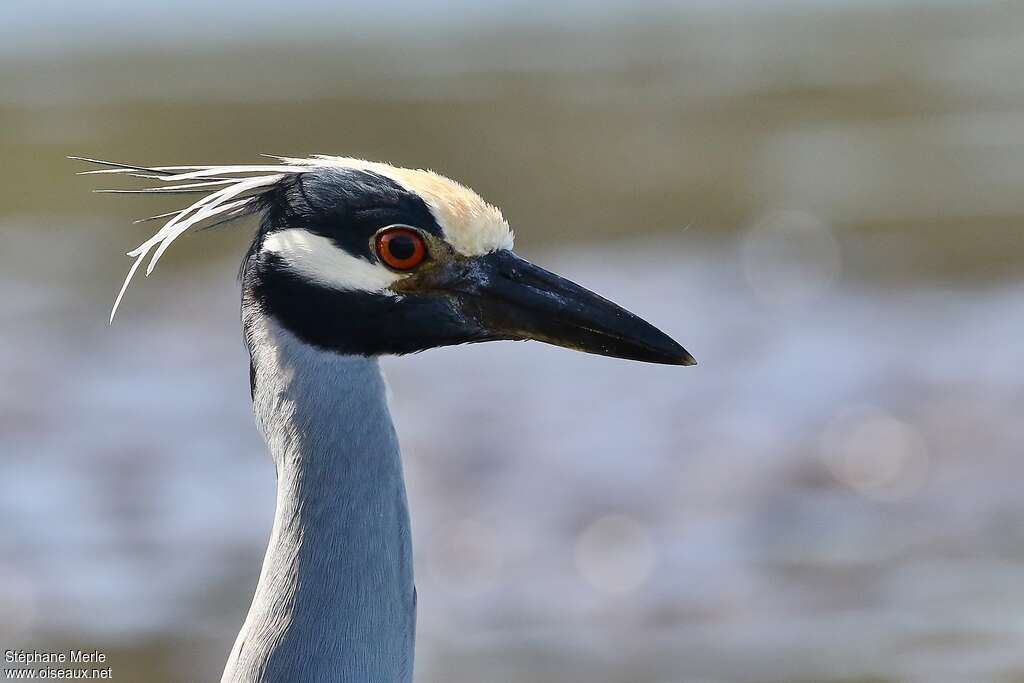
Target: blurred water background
[{"x": 821, "y": 200}]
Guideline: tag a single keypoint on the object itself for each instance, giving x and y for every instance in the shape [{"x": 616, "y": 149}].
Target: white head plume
[{"x": 470, "y": 224}]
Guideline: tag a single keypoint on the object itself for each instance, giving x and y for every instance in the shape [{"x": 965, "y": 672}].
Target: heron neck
[{"x": 335, "y": 599}]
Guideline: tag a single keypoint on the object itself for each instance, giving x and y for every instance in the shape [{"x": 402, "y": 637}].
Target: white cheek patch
[{"x": 322, "y": 261}]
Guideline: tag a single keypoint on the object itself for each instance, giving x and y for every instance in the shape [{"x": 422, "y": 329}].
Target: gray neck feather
[{"x": 335, "y": 600}]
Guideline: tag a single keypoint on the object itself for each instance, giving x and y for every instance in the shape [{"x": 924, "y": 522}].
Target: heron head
[{"x": 366, "y": 258}]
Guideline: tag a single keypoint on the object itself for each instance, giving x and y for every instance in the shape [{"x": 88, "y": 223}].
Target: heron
[{"x": 353, "y": 260}]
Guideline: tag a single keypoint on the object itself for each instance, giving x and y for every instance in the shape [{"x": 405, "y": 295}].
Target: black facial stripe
[
  {"x": 354, "y": 322},
  {"x": 347, "y": 206}
]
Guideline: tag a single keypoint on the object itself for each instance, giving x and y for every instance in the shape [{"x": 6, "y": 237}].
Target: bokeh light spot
[
  {"x": 790, "y": 257},
  {"x": 615, "y": 554},
  {"x": 875, "y": 454}
]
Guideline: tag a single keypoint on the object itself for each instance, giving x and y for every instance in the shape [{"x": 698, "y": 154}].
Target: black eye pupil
[{"x": 402, "y": 247}]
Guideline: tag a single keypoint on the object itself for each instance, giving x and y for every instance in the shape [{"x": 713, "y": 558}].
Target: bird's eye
[{"x": 401, "y": 248}]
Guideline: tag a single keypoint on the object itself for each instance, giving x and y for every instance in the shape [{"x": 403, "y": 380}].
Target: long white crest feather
[
  {"x": 470, "y": 224},
  {"x": 228, "y": 192}
]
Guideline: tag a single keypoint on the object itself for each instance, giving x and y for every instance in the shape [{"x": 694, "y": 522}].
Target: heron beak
[{"x": 510, "y": 298}]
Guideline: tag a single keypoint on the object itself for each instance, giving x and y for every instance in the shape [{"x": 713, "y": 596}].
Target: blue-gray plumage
[
  {"x": 335, "y": 600},
  {"x": 354, "y": 260}
]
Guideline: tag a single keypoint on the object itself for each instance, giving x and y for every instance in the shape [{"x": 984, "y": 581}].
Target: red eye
[{"x": 401, "y": 248}]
